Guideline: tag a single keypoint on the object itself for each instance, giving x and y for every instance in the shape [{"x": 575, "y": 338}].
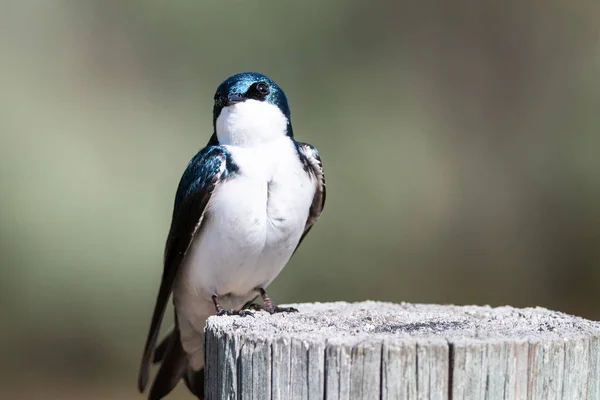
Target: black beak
[{"x": 234, "y": 99}]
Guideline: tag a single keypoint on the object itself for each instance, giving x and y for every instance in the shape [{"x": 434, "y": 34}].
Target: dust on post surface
[{"x": 376, "y": 350}]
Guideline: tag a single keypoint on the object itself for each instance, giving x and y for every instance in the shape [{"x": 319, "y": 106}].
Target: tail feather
[
  {"x": 172, "y": 369},
  {"x": 194, "y": 380},
  {"x": 163, "y": 347}
]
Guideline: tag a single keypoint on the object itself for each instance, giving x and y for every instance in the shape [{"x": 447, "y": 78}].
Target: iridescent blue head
[{"x": 250, "y": 103}]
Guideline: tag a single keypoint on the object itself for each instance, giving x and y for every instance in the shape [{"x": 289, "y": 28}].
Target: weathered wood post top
[{"x": 374, "y": 350}]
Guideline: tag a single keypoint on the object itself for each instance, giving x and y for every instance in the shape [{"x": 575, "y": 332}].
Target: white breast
[{"x": 252, "y": 225}]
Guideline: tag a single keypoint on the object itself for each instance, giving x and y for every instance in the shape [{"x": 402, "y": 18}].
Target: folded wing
[{"x": 205, "y": 171}]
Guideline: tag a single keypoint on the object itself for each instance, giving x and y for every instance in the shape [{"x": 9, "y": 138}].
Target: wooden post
[{"x": 374, "y": 351}]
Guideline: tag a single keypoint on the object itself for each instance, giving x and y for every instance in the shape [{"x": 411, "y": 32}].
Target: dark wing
[
  {"x": 312, "y": 164},
  {"x": 204, "y": 172}
]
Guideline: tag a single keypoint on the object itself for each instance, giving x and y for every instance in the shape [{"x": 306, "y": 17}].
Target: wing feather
[
  {"x": 204, "y": 172},
  {"x": 313, "y": 165}
]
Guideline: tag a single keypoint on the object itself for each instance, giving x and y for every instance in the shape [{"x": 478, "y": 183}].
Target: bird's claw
[
  {"x": 284, "y": 309},
  {"x": 272, "y": 309},
  {"x": 269, "y": 306},
  {"x": 278, "y": 309},
  {"x": 240, "y": 313}
]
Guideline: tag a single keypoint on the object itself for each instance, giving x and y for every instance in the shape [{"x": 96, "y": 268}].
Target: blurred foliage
[{"x": 460, "y": 142}]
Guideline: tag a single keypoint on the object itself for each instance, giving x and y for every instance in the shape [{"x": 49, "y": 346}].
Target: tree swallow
[{"x": 243, "y": 206}]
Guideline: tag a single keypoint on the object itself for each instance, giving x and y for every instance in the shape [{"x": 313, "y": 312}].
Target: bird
[{"x": 243, "y": 205}]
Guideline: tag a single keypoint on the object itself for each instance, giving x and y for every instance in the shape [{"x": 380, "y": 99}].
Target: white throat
[{"x": 250, "y": 123}]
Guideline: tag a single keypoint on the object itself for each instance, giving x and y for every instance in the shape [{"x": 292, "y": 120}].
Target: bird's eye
[{"x": 262, "y": 88}]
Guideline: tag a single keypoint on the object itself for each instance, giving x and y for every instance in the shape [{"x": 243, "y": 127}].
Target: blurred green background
[{"x": 460, "y": 142}]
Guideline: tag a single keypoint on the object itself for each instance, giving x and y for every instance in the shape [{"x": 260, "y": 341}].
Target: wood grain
[{"x": 373, "y": 350}]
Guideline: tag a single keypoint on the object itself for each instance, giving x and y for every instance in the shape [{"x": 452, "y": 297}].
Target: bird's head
[{"x": 250, "y": 109}]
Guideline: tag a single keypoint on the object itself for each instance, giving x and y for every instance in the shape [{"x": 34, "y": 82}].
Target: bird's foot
[
  {"x": 241, "y": 313},
  {"x": 269, "y": 306},
  {"x": 277, "y": 309},
  {"x": 222, "y": 311}
]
